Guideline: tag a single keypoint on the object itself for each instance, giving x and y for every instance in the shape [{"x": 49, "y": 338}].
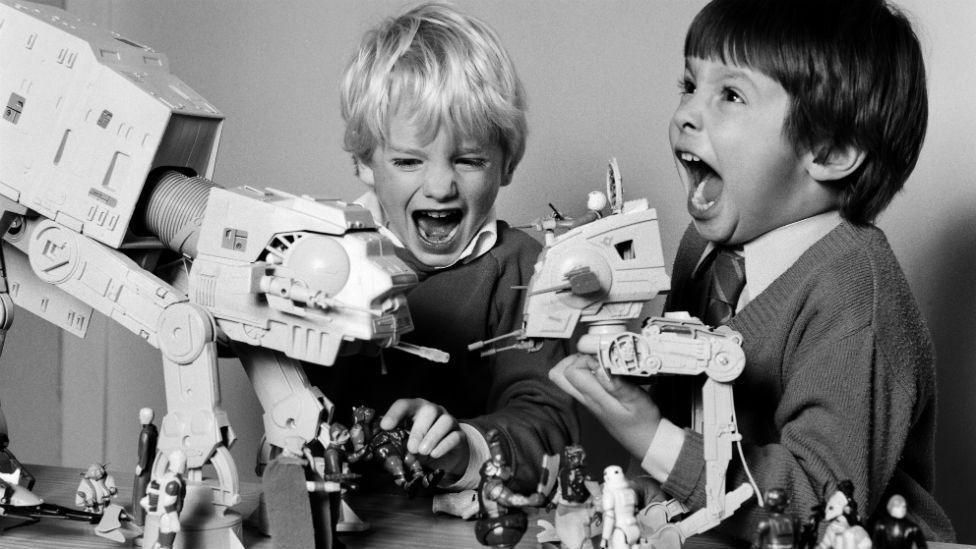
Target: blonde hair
[{"x": 442, "y": 67}]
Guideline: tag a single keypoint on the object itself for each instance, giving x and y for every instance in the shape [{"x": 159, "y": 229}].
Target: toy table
[{"x": 396, "y": 521}]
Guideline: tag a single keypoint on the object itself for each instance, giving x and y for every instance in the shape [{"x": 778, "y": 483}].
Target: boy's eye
[
  {"x": 732, "y": 96},
  {"x": 406, "y": 163},
  {"x": 686, "y": 85},
  {"x": 470, "y": 162}
]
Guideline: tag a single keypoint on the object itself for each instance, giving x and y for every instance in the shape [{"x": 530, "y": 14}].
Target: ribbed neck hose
[{"x": 175, "y": 208}]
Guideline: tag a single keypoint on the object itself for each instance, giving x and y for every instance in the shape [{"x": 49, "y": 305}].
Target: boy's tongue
[
  {"x": 712, "y": 187},
  {"x": 437, "y": 227}
]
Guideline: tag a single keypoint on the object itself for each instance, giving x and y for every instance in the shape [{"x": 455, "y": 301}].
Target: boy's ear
[
  {"x": 509, "y": 172},
  {"x": 835, "y": 163},
  {"x": 363, "y": 171}
]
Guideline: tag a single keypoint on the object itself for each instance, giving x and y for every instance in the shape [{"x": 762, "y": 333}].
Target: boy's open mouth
[
  {"x": 437, "y": 227},
  {"x": 705, "y": 185}
]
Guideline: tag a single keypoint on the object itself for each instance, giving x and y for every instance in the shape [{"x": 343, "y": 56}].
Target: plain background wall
[{"x": 601, "y": 79}]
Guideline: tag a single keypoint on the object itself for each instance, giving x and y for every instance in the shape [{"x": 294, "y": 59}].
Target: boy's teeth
[
  {"x": 688, "y": 157},
  {"x": 698, "y": 198},
  {"x": 437, "y": 226}
]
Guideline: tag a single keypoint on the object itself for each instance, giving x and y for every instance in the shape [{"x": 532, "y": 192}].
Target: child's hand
[
  {"x": 434, "y": 433},
  {"x": 624, "y": 409}
]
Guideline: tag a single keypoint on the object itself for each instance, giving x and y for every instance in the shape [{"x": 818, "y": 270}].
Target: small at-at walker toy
[
  {"x": 600, "y": 274},
  {"x": 370, "y": 442},
  {"x": 106, "y": 204},
  {"x": 501, "y": 521}
]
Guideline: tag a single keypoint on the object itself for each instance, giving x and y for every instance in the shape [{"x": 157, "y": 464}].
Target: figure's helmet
[
  {"x": 897, "y": 507},
  {"x": 363, "y": 414},
  {"x": 776, "y": 500},
  {"x": 842, "y": 503},
  {"x": 596, "y": 201},
  {"x": 338, "y": 434},
  {"x": 613, "y": 476},
  {"x": 574, "y": 455}
]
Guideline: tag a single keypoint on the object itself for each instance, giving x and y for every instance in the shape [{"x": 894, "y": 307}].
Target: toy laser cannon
[
  {"x": 599, "y": 273},
  {"x": 105, "y": 191}
]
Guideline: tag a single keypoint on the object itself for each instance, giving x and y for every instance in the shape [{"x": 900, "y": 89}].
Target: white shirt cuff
[
  {"x": 478, "y": 453},
  {"x": 663, "y": 452}
]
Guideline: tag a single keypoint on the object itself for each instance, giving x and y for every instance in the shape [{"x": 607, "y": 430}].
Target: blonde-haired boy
[{"x": 435, "y": 122}]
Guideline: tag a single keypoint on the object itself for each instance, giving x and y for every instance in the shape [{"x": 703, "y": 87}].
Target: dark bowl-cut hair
[{"x": 855, "y": 76}]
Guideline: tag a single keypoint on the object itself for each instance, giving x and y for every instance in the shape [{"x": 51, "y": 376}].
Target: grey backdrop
[{"x": 601, "y": 78}]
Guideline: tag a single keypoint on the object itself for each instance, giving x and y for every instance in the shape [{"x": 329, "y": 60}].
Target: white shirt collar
[
  {"x": 770, "y": 255},
  {"x": 483, "y": 241}
]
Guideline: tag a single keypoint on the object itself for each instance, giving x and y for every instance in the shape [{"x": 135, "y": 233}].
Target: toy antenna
[{"x": 615, "y": 187}]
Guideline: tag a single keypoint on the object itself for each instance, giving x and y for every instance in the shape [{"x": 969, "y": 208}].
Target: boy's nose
[
  {"x": 440, "y": 185},
  {"x": 688, "y": 115}
]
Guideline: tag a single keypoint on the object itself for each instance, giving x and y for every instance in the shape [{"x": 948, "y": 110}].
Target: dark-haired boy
[{"x": 795, "y": 129}]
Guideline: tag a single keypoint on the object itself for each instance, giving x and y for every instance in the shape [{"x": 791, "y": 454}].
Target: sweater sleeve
[
  {"x": 847, "y": 401},
  {"x": 534, "y": 416}
]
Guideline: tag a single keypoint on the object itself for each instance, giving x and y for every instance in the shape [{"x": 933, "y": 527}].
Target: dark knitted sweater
[
  {"x": 839, "y": 384},
  {"x": 510, "y": 391}
]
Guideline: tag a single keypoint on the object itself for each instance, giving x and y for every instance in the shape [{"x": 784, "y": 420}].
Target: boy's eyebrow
[
  {"x": 470, "y": 149},
  {"x": 405, "y": 150}
]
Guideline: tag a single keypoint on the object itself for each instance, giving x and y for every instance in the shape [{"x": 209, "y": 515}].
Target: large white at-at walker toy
[
  {"x": 106, "y": 206},
  {"x": 599, "y": 273}
]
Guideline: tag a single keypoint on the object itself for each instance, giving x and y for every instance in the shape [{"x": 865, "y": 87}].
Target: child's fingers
[
  {"x": 399, "y": 410},
  {"x": 578, "y": 379},
  {"x": 440, "y": 429},
  {"x": 424, "y": 417},
  {"x": 448, "y": 443},
  {"x": 563, "y": 374}
]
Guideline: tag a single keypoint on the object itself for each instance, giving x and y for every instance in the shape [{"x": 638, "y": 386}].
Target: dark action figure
[
  {"x": 390, "y": 448},
  {"x": 501, "y": 521},
  {"x": 778, "y": 530},
  {"x": 895, "y": 531},
  {"x": 575, "y": 512},
  {"x": 147, "y": 454}
]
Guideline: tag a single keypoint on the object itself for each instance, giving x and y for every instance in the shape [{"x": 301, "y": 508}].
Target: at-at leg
[
  {"x": 292, "y": 407},
  {"x": 197, "y": 425},
  {"x": 113, "y": 284},
  {"x": 718, "y": 435}
]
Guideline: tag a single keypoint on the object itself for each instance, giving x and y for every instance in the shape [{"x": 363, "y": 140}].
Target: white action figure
[
  {"x": 96, "y": 489},
  {"x": 620, "y": 530},
  {"x": 844, "y": 530},
  {"x": 164, "y": 499}
]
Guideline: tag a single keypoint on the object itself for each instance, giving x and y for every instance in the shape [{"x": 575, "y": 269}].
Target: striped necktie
[{"x": 725, "y": 278}]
